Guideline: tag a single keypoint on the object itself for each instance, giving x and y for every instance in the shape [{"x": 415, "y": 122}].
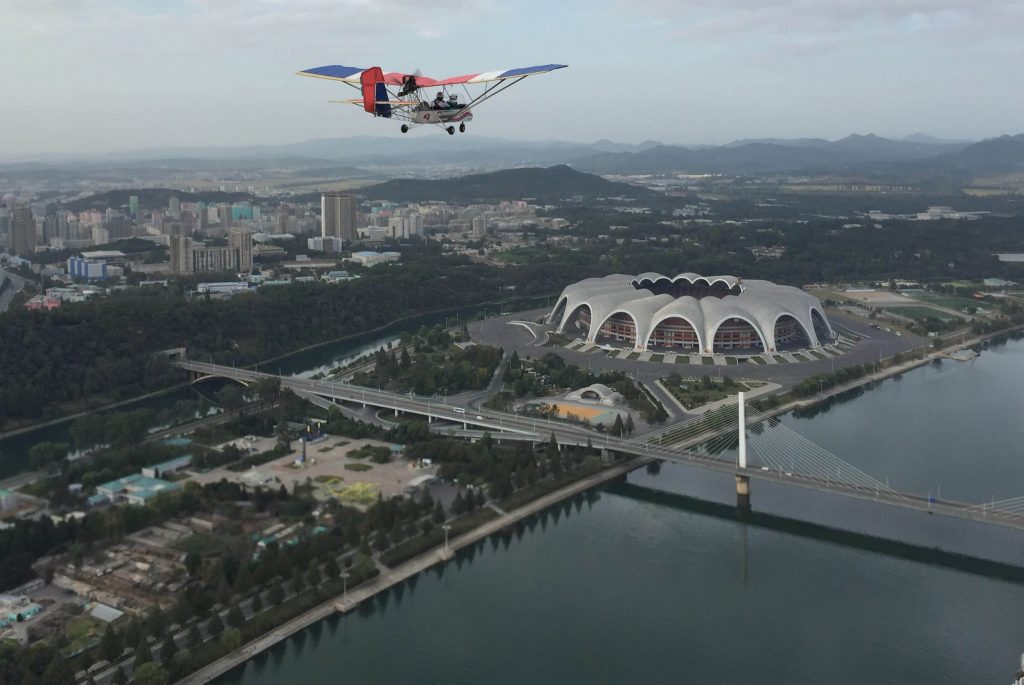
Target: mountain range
[{"x": 916, "y": 155}]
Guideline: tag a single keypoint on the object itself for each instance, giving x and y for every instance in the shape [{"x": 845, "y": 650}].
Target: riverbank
[
  {"x": 405, "y": 570},
  {"x": 71, "y": 417}
]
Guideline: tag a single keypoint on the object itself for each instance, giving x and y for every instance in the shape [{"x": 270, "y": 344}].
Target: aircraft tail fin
[{"x": 374, "y": 92}]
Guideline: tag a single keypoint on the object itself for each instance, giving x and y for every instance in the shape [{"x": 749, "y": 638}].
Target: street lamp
[{"x": 344, "y": 587}]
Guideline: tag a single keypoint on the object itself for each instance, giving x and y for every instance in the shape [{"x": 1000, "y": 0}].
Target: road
[{"x": 16, "y": 286}]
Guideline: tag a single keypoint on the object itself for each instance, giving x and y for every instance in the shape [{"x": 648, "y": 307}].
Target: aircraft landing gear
[
  {"x": 451, "y": 130},
  {"x": 462, "y": 128},
  {"x": 405, "y": 128}
]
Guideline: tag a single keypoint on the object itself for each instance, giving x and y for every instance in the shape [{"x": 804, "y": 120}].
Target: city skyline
[{"x": 196, "y": 72}]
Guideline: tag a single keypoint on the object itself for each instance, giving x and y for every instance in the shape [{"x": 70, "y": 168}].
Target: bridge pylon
[{"x": 742, "y": 480}]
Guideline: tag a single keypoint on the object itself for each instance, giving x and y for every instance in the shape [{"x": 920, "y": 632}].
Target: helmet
[
  {"x": 440, "y": 94},
  {"x": 453, "y": 96}
]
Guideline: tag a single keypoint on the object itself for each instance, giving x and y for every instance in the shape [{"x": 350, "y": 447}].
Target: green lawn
[
  {"x": 82, "y": 631},
  {"x": 695, "y": 394},
  {"x": 952, "y": 301},
  {"x": 920, "y": 313}
]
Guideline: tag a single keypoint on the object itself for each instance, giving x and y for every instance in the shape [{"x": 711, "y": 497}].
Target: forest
[{"x": 103, "y": 350}]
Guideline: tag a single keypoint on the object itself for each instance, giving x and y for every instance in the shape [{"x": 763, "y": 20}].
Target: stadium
[{"x": 691, "y": 313}]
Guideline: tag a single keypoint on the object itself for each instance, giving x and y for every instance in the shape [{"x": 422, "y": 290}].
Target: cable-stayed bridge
[{"x": 790, "y": 476}]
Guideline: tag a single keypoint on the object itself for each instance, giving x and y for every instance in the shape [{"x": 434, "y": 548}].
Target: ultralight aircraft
[{"x": 396, "y": 95}]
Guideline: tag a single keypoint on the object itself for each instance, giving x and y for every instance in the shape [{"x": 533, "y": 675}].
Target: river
[{"x": 630, "y": 585}]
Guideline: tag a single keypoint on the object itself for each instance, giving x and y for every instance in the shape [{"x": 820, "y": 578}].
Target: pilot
[
  {"x": 439, "y": 102},
  {"x": 408, "y": 85}
]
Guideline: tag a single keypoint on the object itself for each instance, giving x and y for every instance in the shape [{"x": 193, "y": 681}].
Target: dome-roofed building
[
  {"x": 691, "y": 313},
  {"x": 597, "y": 392}
]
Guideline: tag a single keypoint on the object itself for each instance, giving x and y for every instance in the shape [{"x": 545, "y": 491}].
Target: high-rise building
[
  {"x": 5, "y": 225},
  {"x": 338, "y": 215},
  {"x": 479, "y": 227},
  {"x": 133, "y": 206},
  {"x": 174, "y": 208},
  {"x": 189, "y": 256},
  {"x": 224, "y": 214},
  {"x": 240, "y": 239},
  {"x": 181, "y": 254},
  {"x": 23, "y": 231}
]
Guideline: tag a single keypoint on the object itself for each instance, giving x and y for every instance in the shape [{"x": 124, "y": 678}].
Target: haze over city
[{"x": 95, "y": 76}]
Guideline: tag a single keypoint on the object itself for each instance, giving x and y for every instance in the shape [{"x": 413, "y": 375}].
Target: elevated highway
[{"x": 784, "y": 466}]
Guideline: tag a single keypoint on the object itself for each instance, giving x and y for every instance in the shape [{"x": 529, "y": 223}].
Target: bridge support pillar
[
  {"x": 742, "y": 493},
  {"x": 607, "y": 456}
]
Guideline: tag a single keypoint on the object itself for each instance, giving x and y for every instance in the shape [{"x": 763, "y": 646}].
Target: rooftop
[{"x": 138, "y": 485}]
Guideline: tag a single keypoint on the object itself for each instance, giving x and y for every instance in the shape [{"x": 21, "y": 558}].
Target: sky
[{"x": 97, "y": 76}]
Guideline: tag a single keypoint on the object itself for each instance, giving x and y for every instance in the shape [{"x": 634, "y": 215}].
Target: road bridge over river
[{"x": 766, "y": 466}]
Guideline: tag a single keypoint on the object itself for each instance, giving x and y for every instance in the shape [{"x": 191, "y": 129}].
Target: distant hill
[
  {"x": 1004, "y": 154},
  {"x": 552, "y": 183},
  {"x": 855, "y": 152},
  {"x": 151, "y": 197}
]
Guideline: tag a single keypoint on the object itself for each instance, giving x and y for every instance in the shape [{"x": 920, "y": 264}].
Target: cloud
[{"x": 816, "y": 20}]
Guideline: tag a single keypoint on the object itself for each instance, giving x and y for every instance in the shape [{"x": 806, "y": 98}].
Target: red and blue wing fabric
[
  {"x": 355, "y": 75},
  {"x": 375, "y": 92}
]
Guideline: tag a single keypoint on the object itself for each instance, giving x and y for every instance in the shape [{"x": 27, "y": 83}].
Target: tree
[
  {"x": 276, "y": 594},
  {"x": 405, "y": 361},
  {"x": 617, "y": 426},
  {"x": 438, "y": 515},
  {"x": 231, "y": 639},
  {"x": 142, "y": 653},
  {"x": 44, "y": 455},
  {"x": 298, "y": 584},
  {"x": 630, "y": 426},
  {"x": 110, "y": 644},
  {"x": 331, "y": 568},
  {"x": 59, "y": 671},
  {"x": 182, "y": 610},
  {"x": 313, "y": 575},
  {"x": 150, "y": 674},
  {"x": 230, "y": 396},
  {"x": 119, "y": 677},
  {"x": 168, "y": 649},
  {"x": 235, "y": 617},
  {"x": 193, "y": 638},
  {"x": 193, "y": 562},
  {"x": 215, "y": 626}
]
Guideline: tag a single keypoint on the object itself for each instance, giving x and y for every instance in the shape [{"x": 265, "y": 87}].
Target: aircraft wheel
[
  {"x": 462, "y": 128},
  {"x": 451, "y": 130},
  {"x": 405, "y": 128}
]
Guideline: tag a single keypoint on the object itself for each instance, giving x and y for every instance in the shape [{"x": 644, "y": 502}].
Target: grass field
[
  {"x": 950, "y": 301},
  {"x": 920, "y": 313}
]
